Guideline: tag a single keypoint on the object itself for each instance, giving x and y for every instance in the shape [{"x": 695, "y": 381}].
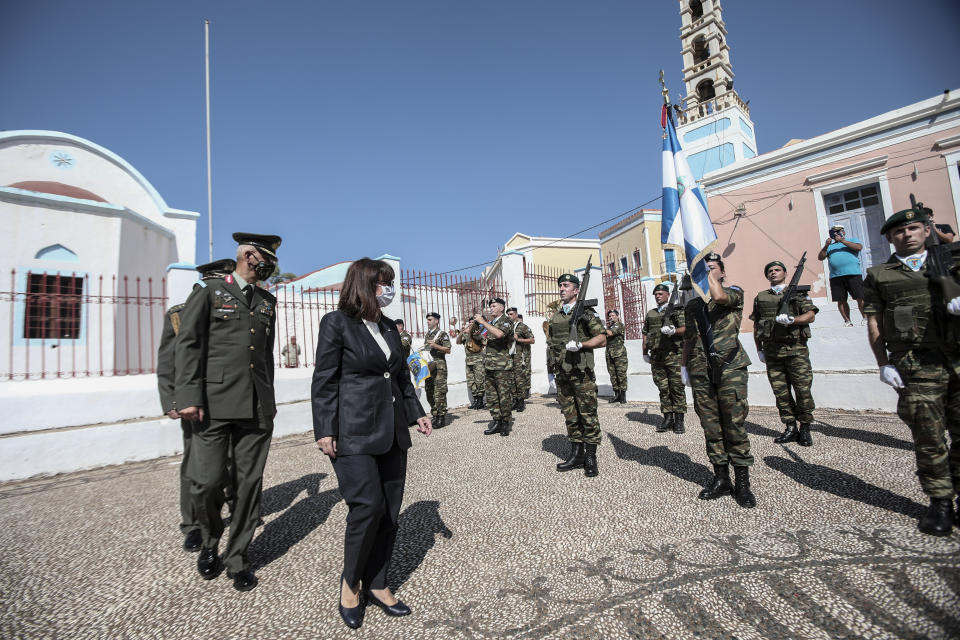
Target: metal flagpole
[{"x": 206, "y": 29}]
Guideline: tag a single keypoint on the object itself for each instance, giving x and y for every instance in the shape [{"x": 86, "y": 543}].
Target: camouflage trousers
[
  {"x": 930, "y": 405},
  {"x": 617, "y": 368},
  {"x": 792, "y": 371},
  {"x": 666, "y": 375},
  {"x": 722, "y": 410},
  {"x": 436, "y": 388},
  {"x": 499, "y": 385},
  {"x": 475, "y": 378},
  {"x": 521, "y": 374},
  {"x": 577, "y": 395}
]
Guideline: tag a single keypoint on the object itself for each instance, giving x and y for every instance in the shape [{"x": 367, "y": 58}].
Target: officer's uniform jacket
[
  {"x": 779, "y": 340},
  {"x": 225, "y": 351},
  {"x": 166, "y": 358},
  {"x": 589, "y": 326},
  {"x": 725, "y": 320}
]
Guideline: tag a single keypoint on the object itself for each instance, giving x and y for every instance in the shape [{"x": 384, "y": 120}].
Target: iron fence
[
  {"x": 455, "y": 297},
  {"x": 626, "y": 294},
  {"x": 299, "y": 311},
  {"x": 540, "y": 285}
]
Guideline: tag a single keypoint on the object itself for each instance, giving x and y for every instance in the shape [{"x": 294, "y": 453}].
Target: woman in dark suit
[{"x": 363, "y": 403}]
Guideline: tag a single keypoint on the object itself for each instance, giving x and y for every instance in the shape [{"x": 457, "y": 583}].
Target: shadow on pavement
[
  {"x": 870, "y": 437},
  {"x": 294, "y": 524},
  {"x": 653, "y": 419},
  {"x": 281, "y": 496},
  {"x": 673, "y": 462},
  {"x": 557, "y": 445},
  {"x": 843, "y": 485},
  {"x": 416, "y": 534},
  {"x": 755, "y": 429}
]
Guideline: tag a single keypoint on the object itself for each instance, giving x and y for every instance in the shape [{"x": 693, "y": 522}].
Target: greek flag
[{"x": 685, "y": 221}]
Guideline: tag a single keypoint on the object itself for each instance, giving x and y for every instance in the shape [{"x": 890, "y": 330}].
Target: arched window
[
  {"x": 701, "y": 50},
  {"x": 696, "y": 9},
  {"x": 56, "y": 252},
  {"x": 705, "y": 90}
]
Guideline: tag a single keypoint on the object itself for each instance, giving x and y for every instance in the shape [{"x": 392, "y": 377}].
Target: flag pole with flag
[{"x": 685, "y": 221}]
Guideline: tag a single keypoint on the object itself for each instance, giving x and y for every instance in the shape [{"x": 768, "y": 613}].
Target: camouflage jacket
[
  {"x": 659, "y": 345},
  {"x": 725, "y": 321},
  {"x": 476, "y": 332},
  {"x": 496, "y": 356},
  {"x": 523, "y": 331},
  {"x": 779, "y": 340},
  {"x": 588, "y": 327},
  {"x": 439, "y": 336},
  {"x": 615, "y": 346}
]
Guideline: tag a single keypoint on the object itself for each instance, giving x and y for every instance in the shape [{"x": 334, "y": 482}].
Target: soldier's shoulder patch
[
  {"x": 177, "y": 308},
  {"x": 228, "y": 278},
  {"x": 200, "y": 283}
]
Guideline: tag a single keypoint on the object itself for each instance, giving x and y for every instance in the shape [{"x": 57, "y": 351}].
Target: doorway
[{"x": 860, "y": 211}]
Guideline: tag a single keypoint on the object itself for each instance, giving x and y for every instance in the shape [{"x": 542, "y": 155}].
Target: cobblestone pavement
[{"x": 494, "y": 543}]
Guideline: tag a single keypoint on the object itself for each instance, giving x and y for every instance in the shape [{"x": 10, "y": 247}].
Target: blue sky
[{"x": 434, "y": 130}]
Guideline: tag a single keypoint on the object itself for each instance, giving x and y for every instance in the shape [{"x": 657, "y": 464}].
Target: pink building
[{"x": 779, "y": 204}]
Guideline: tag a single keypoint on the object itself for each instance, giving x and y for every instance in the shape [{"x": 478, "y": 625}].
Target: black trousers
[
  {"x": 372, "y": 487},
  {"x": 214, "y": 443}
]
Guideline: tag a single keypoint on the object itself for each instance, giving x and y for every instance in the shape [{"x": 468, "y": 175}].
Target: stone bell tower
[{"x": 714, "y": 124}]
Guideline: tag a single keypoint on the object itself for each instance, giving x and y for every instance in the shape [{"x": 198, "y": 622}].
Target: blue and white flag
[
  {"x": 685, "y": 221},
  {"x": 418, "y": 367}
]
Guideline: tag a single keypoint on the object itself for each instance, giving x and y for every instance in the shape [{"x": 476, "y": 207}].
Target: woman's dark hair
[{"x": 359, "y": 295}]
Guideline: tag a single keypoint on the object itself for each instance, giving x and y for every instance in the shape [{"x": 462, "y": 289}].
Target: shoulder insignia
[
  {"x": 200, "y": 283},
  {"x": 228, "y": 279},
  {"x": 177, "y": 308},
  {"x": 175, "y": 322}
]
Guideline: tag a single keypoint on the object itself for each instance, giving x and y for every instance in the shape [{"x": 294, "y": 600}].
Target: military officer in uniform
[
  {"x": 438, "y": 343},
  {"x": 406, "y": 341},
  {"x": 498, "y": 367},
  {"x": 719, "y": 381},
  {"x": 781, "y": 340},
  {"x": 472, "y": 339},
  {"x": 166, "y": 382},
  {"x": 914, "y": 332},
  {"x": 575, "y": 376},
  {"x": 225, "y": 370},
  {"x": 662, "y": 346},
  {"x": 616, "y": 354},
  {"x": 523, "y": 338}
]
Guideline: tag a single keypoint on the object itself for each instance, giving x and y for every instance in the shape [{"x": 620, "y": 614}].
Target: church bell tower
[{"x": 713, "y": 123}]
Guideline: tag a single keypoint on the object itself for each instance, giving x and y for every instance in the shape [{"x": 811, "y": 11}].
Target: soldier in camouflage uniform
[
  {"x": 166, "y": 383},
  {"x": 406, "y": 340},
  {"x": 438, "y": 343},
  {"x": 721, "y": 403},
  {"x": 781, "y": 341},
  {"x": 575, "y": 376},
  {"x": 616, "y": 353},
  {"x": 498, "y": 367},
  {"x": 914, "y": 318},
  {"x": 473, "y": 332},
  {"x": 523, "y": 338},
  {"x": 662, "y": 347}
]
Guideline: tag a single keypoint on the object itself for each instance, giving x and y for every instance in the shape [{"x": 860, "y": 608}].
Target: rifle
[
  {"x": 794, "y": 287},
  {"x": 714, "y": 366},
  {"x": 671, "y": 306},
  {"x": 940, "y": 261},
  {"x": 581, "y": 303}
]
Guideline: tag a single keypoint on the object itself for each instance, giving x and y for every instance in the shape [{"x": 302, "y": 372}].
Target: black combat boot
[
  {"x": 938, "y": 520},
  {"x": 623, "y": 396},
  {"x": 804, "y": 439},
  {"x": 741, "y": 490},
  {"x": 476, "y": 402},
  {"x": 520, "y": 405},
  {"x": 615, "y": 397},
  {"x": 507, "y": 427},
  {"x": 483, "y": 402},
  {"x": 494, "y": 428},
  {"x": 678, "y": 423},
  {"x": 666, "y": 424},
  {"x": 574, "y": 460},
  {"x": 721, "y": 484},
  {"x": 441, "y": 421},
  {"x": 789, "y": 434},
  {"x": 590, "y": 461}
]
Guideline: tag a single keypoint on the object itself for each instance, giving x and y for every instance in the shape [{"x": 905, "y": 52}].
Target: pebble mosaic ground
[{"x": 494, "y": 543}]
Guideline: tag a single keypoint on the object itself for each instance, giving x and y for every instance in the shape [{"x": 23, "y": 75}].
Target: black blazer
[{"x": 361, "y": 398}]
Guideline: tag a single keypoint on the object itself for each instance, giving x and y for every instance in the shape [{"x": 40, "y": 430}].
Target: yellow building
[
  {"x": 632, "y": 246},
  {"x": 564, "y": 254}
]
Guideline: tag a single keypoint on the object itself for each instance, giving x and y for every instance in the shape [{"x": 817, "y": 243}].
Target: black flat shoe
[
  {"x": 243, "y": 580},
  {"x": 395, "y": 610},
  {"x": 208, "y": 564},
  {"x": 193, "y": 541},
  {"x": 352, "y": 616}
]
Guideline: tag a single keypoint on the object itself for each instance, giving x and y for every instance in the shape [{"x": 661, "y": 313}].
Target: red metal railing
[
  {"x": 540, "y": 286},
  {"x": 450, "y": 295},
  {"x": 625, "y": 293},
  {"x": 77, "y": 325}
]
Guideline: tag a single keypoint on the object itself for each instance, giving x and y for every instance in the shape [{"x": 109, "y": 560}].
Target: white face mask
[{"x": 385, "y": 298}]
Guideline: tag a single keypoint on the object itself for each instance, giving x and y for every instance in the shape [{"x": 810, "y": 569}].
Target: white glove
[
  {"x": 953, "y": 307},
  {"x": 785, "y": 319},
  {"x": 573, "y": 346},
  {"x": 889, "y": 375},
  {"x": 668, "y": 330},
  {"x": 646, "y": 358},
  {"x": 684, "y": 377},
  {"x": 761, "y": 357}
]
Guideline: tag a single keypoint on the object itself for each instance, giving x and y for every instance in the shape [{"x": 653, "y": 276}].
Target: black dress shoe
[
  {"x": 243, "y": 580},
  {"x": 193, "y": 541},
  {"x": 396, "y": 610},
  {"x": 494, "y": 428},
  {"x": 208, "y": 564},
  {"x": 352, "y": 616}
]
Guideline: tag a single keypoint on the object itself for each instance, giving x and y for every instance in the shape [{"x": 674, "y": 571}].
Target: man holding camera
[{"x": 843, "y": 257}]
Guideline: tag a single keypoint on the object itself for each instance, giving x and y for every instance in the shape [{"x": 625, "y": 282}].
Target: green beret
[
  {"x": 712, "y": 257},
  {"x": 661, "y": 287},
  {"x": 916, "y": 214},
  {"x": 568, "y": 277},
  {"x": 770, "y": 264}
]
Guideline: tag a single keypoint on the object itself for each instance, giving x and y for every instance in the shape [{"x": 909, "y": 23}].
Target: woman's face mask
[{"x": 385, "y": 297}]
